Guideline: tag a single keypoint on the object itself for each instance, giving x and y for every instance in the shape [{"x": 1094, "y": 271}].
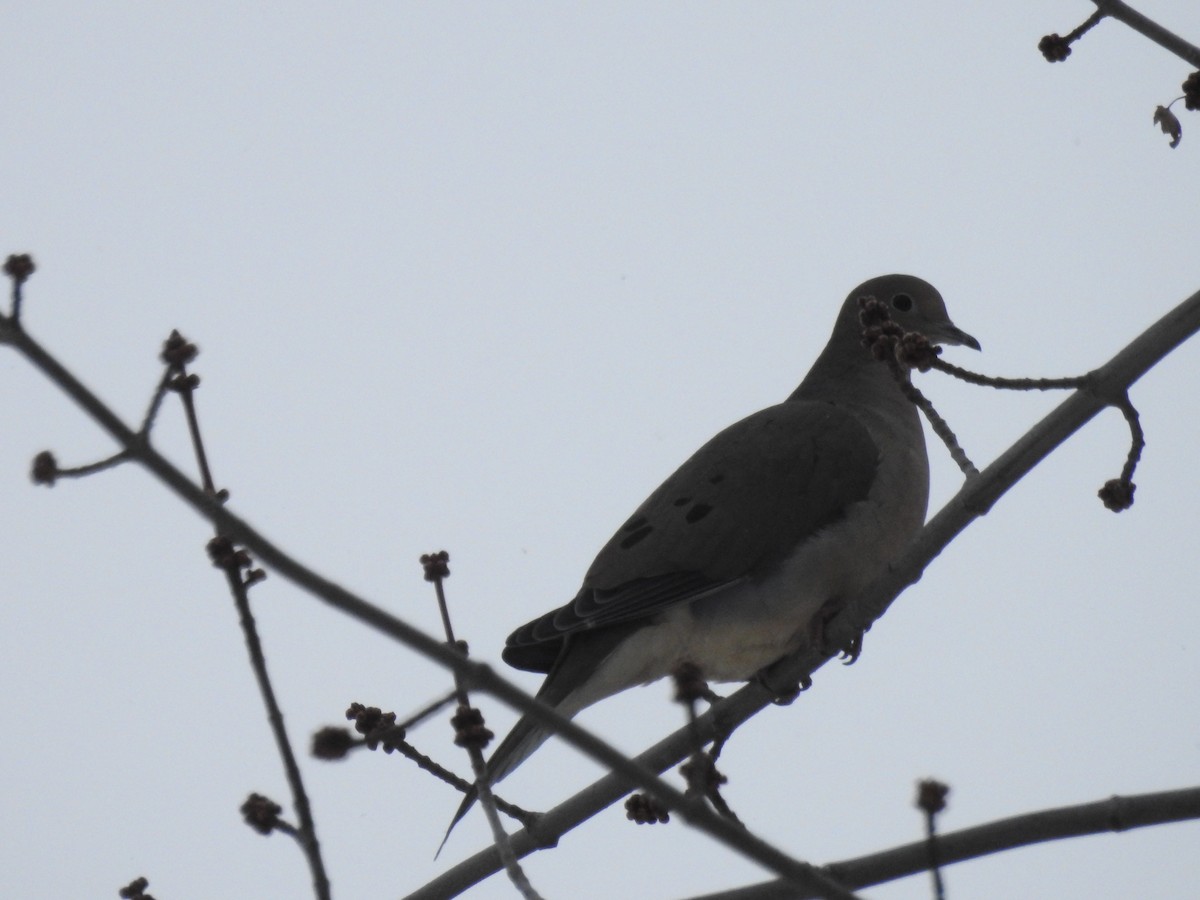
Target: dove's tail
[
  {"x": 575, "y": 682},
  {"x": 520, "y": 743}
]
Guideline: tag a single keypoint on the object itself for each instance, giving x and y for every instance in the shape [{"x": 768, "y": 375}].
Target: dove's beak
[{"x": 952, "y": 334}]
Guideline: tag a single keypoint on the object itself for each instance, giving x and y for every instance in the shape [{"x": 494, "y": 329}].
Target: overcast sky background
[{"x": 478, "y": 277}]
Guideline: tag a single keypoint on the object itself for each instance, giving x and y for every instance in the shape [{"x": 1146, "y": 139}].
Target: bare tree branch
[
  {"x": 1147, "y": 27},
  {"x": 1114, "y": 814}
]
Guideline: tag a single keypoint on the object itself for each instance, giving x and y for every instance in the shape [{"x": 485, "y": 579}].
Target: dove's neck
[
  {"x": 845, "y": 373},
  {"x": 847, "y": 376}
]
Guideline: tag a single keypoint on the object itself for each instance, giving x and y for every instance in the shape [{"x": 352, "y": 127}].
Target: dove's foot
[{"x": 848, "y": 653}]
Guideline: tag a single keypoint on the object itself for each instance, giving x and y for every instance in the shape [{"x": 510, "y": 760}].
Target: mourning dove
[{"x": 776, "y": 521}]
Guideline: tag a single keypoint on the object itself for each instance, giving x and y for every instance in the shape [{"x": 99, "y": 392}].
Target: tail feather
[
  {"x": 520, "y": 743},
  {"x": 568, "y": 688}
]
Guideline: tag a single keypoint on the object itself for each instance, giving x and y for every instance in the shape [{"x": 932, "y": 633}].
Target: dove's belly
[{"x": 732, "y": 634}]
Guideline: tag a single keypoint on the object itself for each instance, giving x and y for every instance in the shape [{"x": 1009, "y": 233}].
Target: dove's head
[{"x": 911, "y": 303}]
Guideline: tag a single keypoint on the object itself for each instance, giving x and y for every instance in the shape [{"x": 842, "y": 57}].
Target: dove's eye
[{"x": 902, "y": 302}]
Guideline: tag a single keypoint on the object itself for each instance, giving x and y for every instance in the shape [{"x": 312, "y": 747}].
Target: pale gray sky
[{"x": 478, "y": 276}]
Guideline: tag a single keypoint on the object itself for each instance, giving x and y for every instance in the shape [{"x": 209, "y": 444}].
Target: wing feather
[{"x": 740, "y": 505}]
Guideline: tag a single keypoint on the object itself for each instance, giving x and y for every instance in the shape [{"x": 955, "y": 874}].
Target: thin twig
[
  {"x": 432, "y": 709},
  {"x": 1137, "y": 438},
  {"x": 233, "y": 564},
  {"x": 474, "y": 740},
  {"x": 156, "y": 400},
  {"x": 306, "y": 836},
  {"x": 940, "y": 428},
  {"x": 111, "y": 462},
  {"x": 700, "y": 771},
  {"x": 185, "y": 385},
  {"x": 931, "y": 800},
  {"x": 1072, "y": 382},
  {"x": 18, "y": 267},
  {"x": 408, "y": 751}
]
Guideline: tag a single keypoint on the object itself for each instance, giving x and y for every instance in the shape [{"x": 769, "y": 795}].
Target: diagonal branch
[
  {"x": 1147, "y": 27},
  {"x": 1113, "y": 814}
]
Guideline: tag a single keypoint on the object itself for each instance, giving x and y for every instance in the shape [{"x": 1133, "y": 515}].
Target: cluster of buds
[
  {"x": 645, "y": 810},
  {"x": 371, "y": 721},
  {"x": 234, "y": 560},
  {"x": 886, "y": 339},
  {"x": 469, "y": 729},
  {"x": 261, "y": 813},
  {"x": 436, "y": 565}
]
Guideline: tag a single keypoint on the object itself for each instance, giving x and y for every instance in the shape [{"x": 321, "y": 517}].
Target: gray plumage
[{"x": 728, "y": 562}]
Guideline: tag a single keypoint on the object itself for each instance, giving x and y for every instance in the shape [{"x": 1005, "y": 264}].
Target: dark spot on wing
[
  {"x": 683, "y": 501},
  {"x": 716, "y": 479},
  {"x": 634, "y": 524},
  {"x": 698, "y": 512},
  {"x": 638, "y": 536}
]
